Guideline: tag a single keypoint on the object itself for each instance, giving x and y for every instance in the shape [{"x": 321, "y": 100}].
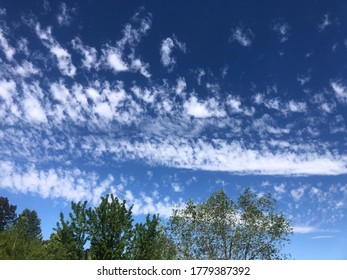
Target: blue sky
[{"x": 161, "y": 101}]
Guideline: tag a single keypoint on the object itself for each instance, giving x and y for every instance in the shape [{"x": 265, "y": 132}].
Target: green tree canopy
[
  {"x": 29, "y": 224},
  {"x": 23, "y": 240},
  {"x": 107, "y": 231},
  {"x": 219, "y": 228},
  {"x": 7, "y": 213},
  {"x": 110, "y": 229},
  {"x": 151, "y": 241},
  {"x": 70, "y": 236}
]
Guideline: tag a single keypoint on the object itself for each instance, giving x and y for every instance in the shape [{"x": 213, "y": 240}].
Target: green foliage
[
  {"x": 7, "y": 213},
  {"x": 222, "y": 229},
  {"x": 151, "y": 241},
  {"x": 29, "y": 224},
  {"x": 110, "y": 229},
  {"x": 71, "y": 236},
  {"x": 218, "y": 228},
  {"x": 23, "y": 240},
  {"x": 264, "y": 232},
  {"x": 15, "y": 246},
  {"x": 54, "y": 248},
  {"x": 110, "y": 233}
]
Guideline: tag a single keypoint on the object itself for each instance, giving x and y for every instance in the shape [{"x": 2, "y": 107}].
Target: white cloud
[
  {"x": 150, "y": 174},
  {"x": 22, "y": 46},
  {"x": 93, "y": 94},
  {"x": 132, "y": 35},
  {"x": 181, "y": 87},
  {"x": 32, "y": 103},
  {"x": 325, "y": 22},
  {"x": 64, "y": 17},
  {"x": 216, "y": 155},
  {"x": 303, "y": 79},
  {"x": 304, "y": 229},
  {"x": 63, "y": 57},
  {"x": 196, "y": 109},
  {"x": 46, "y": 6},
  {"x": 90, "y": 59},
  {"x": 322, "y": 237},
  {"x": 266, "y": 124},
  {"x": 26, "y": 69},
  {"x": 114, "y": 60},
  {"x": 201, "y": 73},
  {"x": 280, "y": 191},
  {"x": 7, "y": 91},
  {"x": 33, "y": 110},
  {"x": 325, "y": 105},
  {"x": 277, "y": 104},
  {"x": 339, "y": 205},
  {"x": 235, "y": 104},
  {"x": 297, "y": 194},
  {"x": 180, "y": 45},
  {"x": 165, "y": 51},
  {"x": 229, "y": 157},
  {"x": 72, "y": 103},
  {"x": 79, "y": 96},
  {"x": 280, "y": 188},
  {"x": 76, "y": 185},
  {"x": 339, "y": 90},
  {"x": 204, "y": 109},
  {"x": 167, "y": 47},
  {"x": 104, "y": 110},
  {"x": 2, "y": 11},
  {"x": 122, "y": 57},
  {"x": 166, "y": 105},
  {"x": 150, "y": 205},
  {"x": 60, "y": 92},
  {"x": 213, "y": 88},
  {"x": 64, "y": 60},
  {"x": 225, "y": 70},
  {"x": 8, "y": 50},
  {"x": 243, "y": 36},
  {"x": 282, "y": 29},
  {"x": 337, "y": 125},
  {"x": 258, "y": 98},
  {"x": 138, "y": 65},
  {"x": 297, "y": 107},
  {"x": 145, "y": 94},
  {"x": 115, "y": 95},
  {"x": 97, "y": 105},
  {"x": 54, "y": 183},
  {"x": 177, "y": 187},
  {"x": 272, "y": 103}
]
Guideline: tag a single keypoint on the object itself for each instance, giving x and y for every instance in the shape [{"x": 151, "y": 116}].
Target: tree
[
  {"x": 15, "y": 246},
  {"x": 23, "y": 239},
  {"x": 71, "y": 236},
  {"x": 7, "y": 213},
  {"x": 110, "y": 229},
  {"x": 29, "y": 224},
  {"x": 151, "y": 241},
  {"x": 222, "y": 229},
  {"x": 263, "y": 232},
  {"x": 54, "y": 248}
]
